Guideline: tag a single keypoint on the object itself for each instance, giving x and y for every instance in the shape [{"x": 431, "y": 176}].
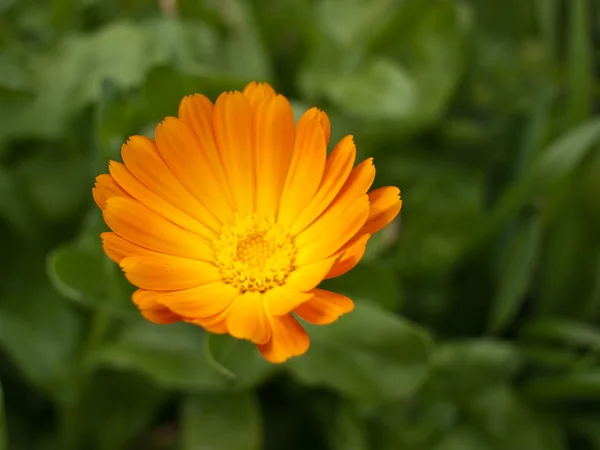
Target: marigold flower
[{"x": 233, "y": 215}]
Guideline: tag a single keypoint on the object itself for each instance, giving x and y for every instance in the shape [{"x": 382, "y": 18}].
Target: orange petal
[
  {"x": 105, "y": 188},
  {"x": 273, "y": 142},
  {"x": 197, "y": 111},
  {"x": 283, "y": 299},
  {"x": 325, "y": 307},
  {"x": 167, "y": 273},
  {"x": 319, "y": 116},
  {"x": 331, "y": 231},
  {"x": 337, "y": 168},
  {"x": 247, "y": 319},
  {"x": 351, "y": 256},
  {"x": 257, "y": 92},
  {"x": 385, "y": 206},
  {"x": 216, "y": 324},
  {"x": 143, "y": 160},
  {"x": 151, "y": 310},
  {"x": 199, "y": 302},
  {"x": 140, "y": 192},
  {"x": 305, "y": 172},
  {"x": 307, "y": 277},
  {"x": 234, "y": 135},
  {"x": 184, "y": 154},
  {"x": 118, "y": 248},
  {"x": 137, "y": 223},
  {"x": 288, "y": 339}
]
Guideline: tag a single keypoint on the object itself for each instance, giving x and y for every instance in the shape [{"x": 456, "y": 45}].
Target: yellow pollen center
[{"x": 254, "y": 254}]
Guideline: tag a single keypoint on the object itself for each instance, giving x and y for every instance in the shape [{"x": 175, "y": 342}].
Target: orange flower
[{"x": 233, "y": 215}]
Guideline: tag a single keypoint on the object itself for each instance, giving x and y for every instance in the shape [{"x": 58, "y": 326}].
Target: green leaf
[
  {"x": 516, "y": 274},
  {"x": 83, "y": 273},
  {"x": 464, "y": 438},
  {"x": 580, "y": 85},
  {"x": 564, "y": 288},
  {"x": 551, "y": 166},
  {"x": 353, "y": 22},
  {"x": 3, "y": 431},
  {"x": 172, "y": 356},
  {"x": 429, "y": 39},
  {"x": 583, "y": 385},
  {"x": 461, "y": 369},
  {"x": 244, "y": 52},
  {"x": 562, "y": 331},
  {"x": 56, "y": 186},
  {"x": 375, "y": 283},
  {"x": 116, "y": 409},
  {"x": 446, "y": 204},
  {"x": 370, "y": 356},
  {"x": 380, "y": 90},
  {"x": 348, "y": 430},
  {"x": 221, "y": 421},
  {"x": 121, "y": 52},
  {"x": 40, "y": 333},
  {"x": 509, "y": 423}
]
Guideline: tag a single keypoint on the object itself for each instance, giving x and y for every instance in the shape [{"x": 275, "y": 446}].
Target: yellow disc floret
[{"x": 254, "y": 254}]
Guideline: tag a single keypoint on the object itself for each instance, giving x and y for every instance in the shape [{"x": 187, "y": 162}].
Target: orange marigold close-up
[{"x": 231, "y": 217}]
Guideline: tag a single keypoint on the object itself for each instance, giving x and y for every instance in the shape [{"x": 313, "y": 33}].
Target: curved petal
[
  {"x": 106, "y": 187},
  {"x": 325, "y": 307},
  {"x": 307, "y": 277},
  {"x": 233, "y": 133},
  {"x": 199, "y": 302},
  {"x": 331, "y": 231},
  {"x": 153, "y": 201},
  {"x": 216, "y": 323},
  {"x": 168, "y": 273},
  {"x": 152, "y": 310},
  {"x": 273, "y": 142},
  {"x": 283, "y": 299},
  {"x": 351, "y": 253},
  {"x": 197, "y": 112},
  {"x": 247, "y": 319},
  {"x": 385, "y": 206},
  {"x": 137, "y": 223},
  {"x": 184, "y": 154},
  {"x": 288, "y": 339},
  {"x": 118, "y": 248},
  {"x": 337, "y": 169},
  {"x": 143, "y": 160},
  {"x": 257, "y": 92},
  {"x": 305, "y": 172},
  {"x": 319, "y": 116}
]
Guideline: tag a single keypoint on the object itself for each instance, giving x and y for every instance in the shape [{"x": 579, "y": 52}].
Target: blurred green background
[{"x": 478, "y": 311}]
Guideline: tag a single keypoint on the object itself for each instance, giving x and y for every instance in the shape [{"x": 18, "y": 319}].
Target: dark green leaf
[
  {"x": 82, "y": 272},
  {"x": 116, "y": 409},
  {"x": 516, "y": 274},
  {"x": 369, "y": 355},
  {"x": 3, "y": 431},
  {"x": 562, "y": 331},
  {"x": 464, "y": 438},
  {"x": 221, "y": 421},
  {"x": 459, "y": 370},
  {"x": 348, "y": 430},
  {"x": 580, "y": 85},
  {"x": 369, "y": 282},
  {"x": 583, "y": 385},
  {"x": 40, "y": 333},
  {"x": 172, "y": 356}
]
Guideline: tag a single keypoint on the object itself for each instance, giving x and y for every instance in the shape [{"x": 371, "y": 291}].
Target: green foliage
[{"x": 477, "y": 320}]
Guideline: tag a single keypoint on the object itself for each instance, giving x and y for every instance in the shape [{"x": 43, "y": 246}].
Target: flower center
[{"x": 254, "y": 254}]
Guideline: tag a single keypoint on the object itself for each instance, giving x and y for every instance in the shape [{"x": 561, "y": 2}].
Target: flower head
[{"x": 233, "y": 215}]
